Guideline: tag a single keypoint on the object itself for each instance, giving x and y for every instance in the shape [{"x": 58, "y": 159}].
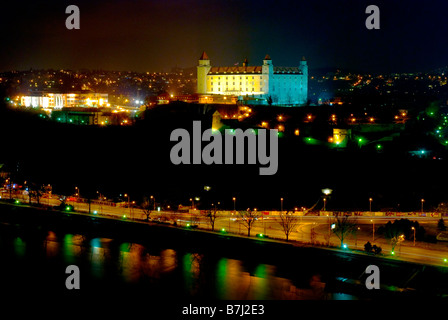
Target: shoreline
[{"x": 253, "y": 239}]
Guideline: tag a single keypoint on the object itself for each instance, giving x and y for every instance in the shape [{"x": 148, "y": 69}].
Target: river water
[
  {"x": 34, "y": 261},
  {"x": 35, "y": 258}
]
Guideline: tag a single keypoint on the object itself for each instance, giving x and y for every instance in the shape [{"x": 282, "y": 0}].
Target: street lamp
[
  {"x": 423, "y": 200},
  {"x": 154, "y": 200},
  {"x": 414, "y": 235},
  {"x": 281, "y": 205},
  {"x": 370, "y": 204},
  {"x": 234, "y": 204},
  {"x": 129, "y": 204},
  {"x": 326, "y": 192}
]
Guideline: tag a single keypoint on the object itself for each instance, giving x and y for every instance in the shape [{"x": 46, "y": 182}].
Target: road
[{"x": 270, "y": 226}]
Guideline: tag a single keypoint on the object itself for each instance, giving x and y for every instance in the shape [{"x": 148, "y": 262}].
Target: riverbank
[{"x": 343, "y": 270}]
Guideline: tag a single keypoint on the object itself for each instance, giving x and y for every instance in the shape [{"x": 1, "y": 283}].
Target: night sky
[{"x": 137, "y": 35}]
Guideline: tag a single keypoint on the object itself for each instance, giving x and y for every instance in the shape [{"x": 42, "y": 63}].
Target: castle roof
[
  {"x": 287, "y": 70},
  {"x": 204, "y": 56},
  {"x": 235, "y": 69},
  {"x": 268, "y": 57}
]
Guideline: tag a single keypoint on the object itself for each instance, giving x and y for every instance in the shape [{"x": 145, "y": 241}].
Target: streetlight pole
[
  {"x": 326, "y": 192},
  {"x": 423, "y": 200},
  {"x": 129, "y": 204},
  {"x": 192, "y": 208},
  {"x": 370, "y": 204},
  {"x": 154, "y": 200},
  {"x": 77, "y": 196},
  {"x": 281, "y": 205},
  {"x": 414, "y": 235}
]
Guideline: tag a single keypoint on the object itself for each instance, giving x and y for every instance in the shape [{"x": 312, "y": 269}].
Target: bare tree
[
  {"x": 212, "y": 215},
  {"x": 344, "y": 227},
  {"x": 395, "y": 240},
  {"x": 147, "y": 206},
  {"x": 35, "y": 191},
  {"x": 248, "y": 218},
  {"x": 288, "y": 222}
]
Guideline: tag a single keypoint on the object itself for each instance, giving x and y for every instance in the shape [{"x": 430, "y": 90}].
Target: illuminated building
[
  {"x": 54, "y": 101},
  {"x": 287, "y": 86}
]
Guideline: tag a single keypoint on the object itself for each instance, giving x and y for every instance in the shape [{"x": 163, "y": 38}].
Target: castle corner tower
[{"x": 203, "y": 68}]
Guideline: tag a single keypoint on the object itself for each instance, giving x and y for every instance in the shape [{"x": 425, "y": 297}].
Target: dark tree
[
  {"x": 248, "y": 219},
  {"x": 147, "y": 206},
  {"x": 368, "y": 247},
  {"x": 288, "y": 222},
  {"x": 376, "y": 249},
  {"x": 344, "y": 227},
  {"x": 212, "y": 215}
]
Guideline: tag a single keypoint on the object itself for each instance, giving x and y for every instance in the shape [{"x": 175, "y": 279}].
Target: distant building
[
  {"x": 265, "y": 84},
  {"x": 52, "y": 101}
]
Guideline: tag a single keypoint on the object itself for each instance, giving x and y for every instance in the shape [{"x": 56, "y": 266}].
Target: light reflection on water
[{"x": 194, "y": 273}]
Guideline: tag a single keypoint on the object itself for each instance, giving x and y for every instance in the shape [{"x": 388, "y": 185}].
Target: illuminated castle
[{"x": 266, "y": 84}]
